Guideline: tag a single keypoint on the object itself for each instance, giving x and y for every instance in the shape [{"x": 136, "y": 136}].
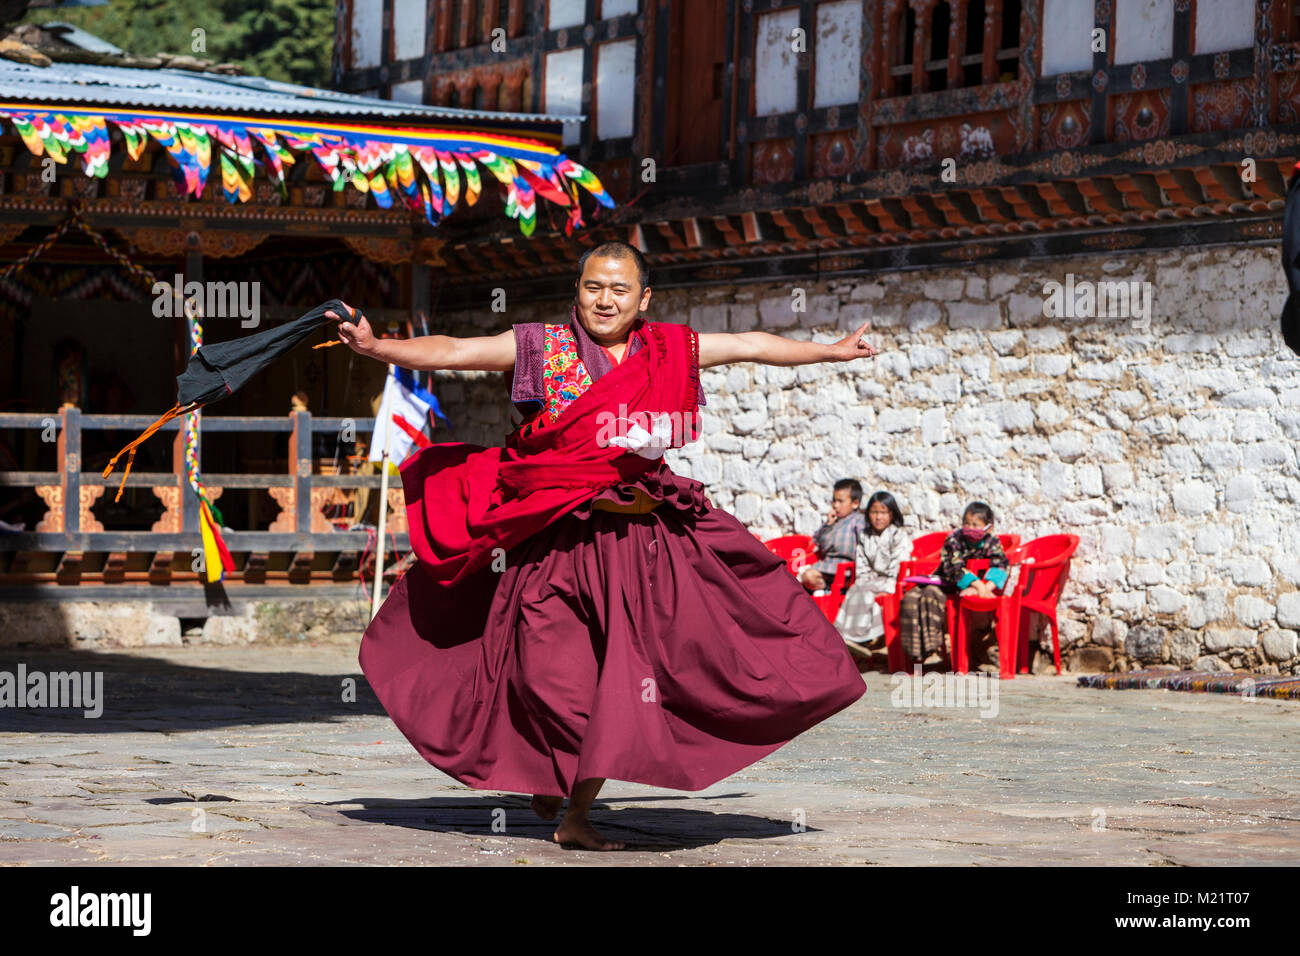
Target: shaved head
[{"x": 618, "y": 250}]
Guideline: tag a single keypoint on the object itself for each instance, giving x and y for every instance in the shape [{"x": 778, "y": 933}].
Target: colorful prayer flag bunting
[{"x": 386, "y": 162}]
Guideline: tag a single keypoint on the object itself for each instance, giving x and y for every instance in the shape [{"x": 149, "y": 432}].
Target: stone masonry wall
[{"x": 1170, "y": 450}]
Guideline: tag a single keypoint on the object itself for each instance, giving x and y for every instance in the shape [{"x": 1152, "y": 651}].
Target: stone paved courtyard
[{"x": 245, "y": 755}]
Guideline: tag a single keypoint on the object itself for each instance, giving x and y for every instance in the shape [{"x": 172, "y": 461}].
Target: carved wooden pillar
[
  {"x": 891, "y": 23},
  {"x": 992, "y": 39},
  {"x": 489, "y": 19},
  {"x": 440, "y": 91},
  {"x": 300, "y": 455},
  {"x": 957, "y": 11},
  {"x": 464, "y": 81},
  {"x": 186, "y": 501},
  {"x": 442, "y": 26},
  {"x": 189, "y": 502},
  {"x": 924, "y": 10},
  {"x": 515, "y": 18},
  {"x": 464, "y": 25},
  {"x": 512, "y": 97},
  {"x": 490, "y": 81},
  {"x": 68, "y": 452}
]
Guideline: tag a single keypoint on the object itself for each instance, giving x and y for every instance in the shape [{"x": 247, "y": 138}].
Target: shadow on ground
[
  {"x": 640, "y": 827},
  {"x": 160, "y": 695}
]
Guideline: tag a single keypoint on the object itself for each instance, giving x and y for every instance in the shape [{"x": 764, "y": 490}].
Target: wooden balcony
[{"x": 301, "y": 546}]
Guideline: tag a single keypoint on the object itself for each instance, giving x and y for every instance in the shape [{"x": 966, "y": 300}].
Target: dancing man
[{"x": 579, "y": 611}]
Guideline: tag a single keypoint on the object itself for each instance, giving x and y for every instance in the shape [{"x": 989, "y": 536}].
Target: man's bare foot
[
  {"x": 546, "y": 807},
  {"x": 585, "y": 835}
]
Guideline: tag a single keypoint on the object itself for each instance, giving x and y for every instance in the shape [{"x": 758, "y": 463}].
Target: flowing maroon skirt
[{"x": 669, "y": 648}]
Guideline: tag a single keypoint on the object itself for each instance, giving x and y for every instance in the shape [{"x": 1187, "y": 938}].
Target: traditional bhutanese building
[
  {"x": 122, "y": 177},
  {"x": 1061, "y": 217}
]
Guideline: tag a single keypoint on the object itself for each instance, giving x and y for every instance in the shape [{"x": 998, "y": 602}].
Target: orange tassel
[
  {"x": 325, "y": 345},
  {"x": 171, "y": 413}
]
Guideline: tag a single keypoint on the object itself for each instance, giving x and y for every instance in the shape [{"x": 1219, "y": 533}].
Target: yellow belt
[{"x": 644, "y": 503}]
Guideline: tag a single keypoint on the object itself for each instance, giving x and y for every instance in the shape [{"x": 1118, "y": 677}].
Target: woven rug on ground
[{"x": 1241, "y": 683}]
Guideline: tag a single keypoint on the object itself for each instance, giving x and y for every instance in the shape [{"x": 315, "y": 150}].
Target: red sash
[{"x": 464, "y": 501}]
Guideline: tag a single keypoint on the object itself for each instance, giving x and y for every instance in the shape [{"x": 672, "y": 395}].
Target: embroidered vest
[{"x": 564, "y": 376}]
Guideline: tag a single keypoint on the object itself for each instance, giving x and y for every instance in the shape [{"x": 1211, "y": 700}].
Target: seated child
[
  {"x": 837, "y": 539},
  {"x": 882, "y": 548},
  {"x": 923, "y": 617}
]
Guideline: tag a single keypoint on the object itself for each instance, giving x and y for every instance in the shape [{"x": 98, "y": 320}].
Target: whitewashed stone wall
[{"x": 1170, "y": 450}]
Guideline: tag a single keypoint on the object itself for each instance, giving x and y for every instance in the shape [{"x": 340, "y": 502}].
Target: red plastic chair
[
  {"x": 845, "y": 572},
  {"x": 1044, "y": 569},
  {"x": 1006, "y": 611},
  {"x": 925, "y": 552},
  {"x": 1005, "y": 606},
  {"x": 797, "y": 550},
  {"x": 921, "y": 563},
  {"x": 927, "y": 544}
]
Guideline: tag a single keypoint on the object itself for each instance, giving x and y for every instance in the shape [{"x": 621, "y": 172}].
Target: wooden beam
[
  {"x": 794, "y": 229},
  {"x": 255, "y": 568},
  {"x": 731, "y": 235},
  {"x": 855, "y": 222},
  {"x": 992, "y": 207},
  {"x": 953, "y": 213},
  {"x": 69, "y": 569},
  {"x": 691, "y": 231},
  {"x": 160, "y": 567},
  {"x": 1270, "y": 180},
  {"x": 345, "y": 566},
  {"x": 1056, "y": 203},
  {"x": 921, "y": 218},
  {"x": 300, "y": 567},
  {"x": 668, "y": 231},
  {"x": 1175, "y": 190},
  {"x": 1018, "y": 202},
  {"x": 1101, "y": 195},
  {"x": 882, "y": 215},
  {"x": 1140, "y": 192},
  {"x": 114, "y": 567},
  {"x": 822, "y": 228}
]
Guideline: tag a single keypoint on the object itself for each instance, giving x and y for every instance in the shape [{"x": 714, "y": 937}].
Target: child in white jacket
[{"x": 883, "y": 546}]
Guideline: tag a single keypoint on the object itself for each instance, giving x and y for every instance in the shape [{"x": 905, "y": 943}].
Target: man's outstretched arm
[
  {"x": 721, "y": 348},
  {"x": 429, "y": 353}
]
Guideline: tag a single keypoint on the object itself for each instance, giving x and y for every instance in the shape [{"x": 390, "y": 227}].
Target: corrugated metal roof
[
  {"x": 74, "y": 35},
  {"x": 82, "y": 83}
]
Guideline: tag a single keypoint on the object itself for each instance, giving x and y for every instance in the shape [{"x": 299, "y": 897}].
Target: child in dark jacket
[
  {"x": 923, "y": 620},
  {"x": 974, "y": 540}
]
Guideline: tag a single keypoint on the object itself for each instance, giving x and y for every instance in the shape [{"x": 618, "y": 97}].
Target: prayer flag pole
[{"x": 383, "y": 496}]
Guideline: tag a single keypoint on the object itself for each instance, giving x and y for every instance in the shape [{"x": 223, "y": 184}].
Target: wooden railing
[{"x": 70, "y": 527}]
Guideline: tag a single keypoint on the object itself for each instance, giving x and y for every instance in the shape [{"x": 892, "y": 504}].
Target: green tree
[{"x": 288, "y": 40}]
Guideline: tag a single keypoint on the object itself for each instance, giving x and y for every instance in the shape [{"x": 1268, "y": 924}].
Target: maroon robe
[{"x": 669, "y": 648}]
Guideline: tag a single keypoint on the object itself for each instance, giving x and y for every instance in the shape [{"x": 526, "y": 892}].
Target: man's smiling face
[{"x": 609, "y": 298}]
